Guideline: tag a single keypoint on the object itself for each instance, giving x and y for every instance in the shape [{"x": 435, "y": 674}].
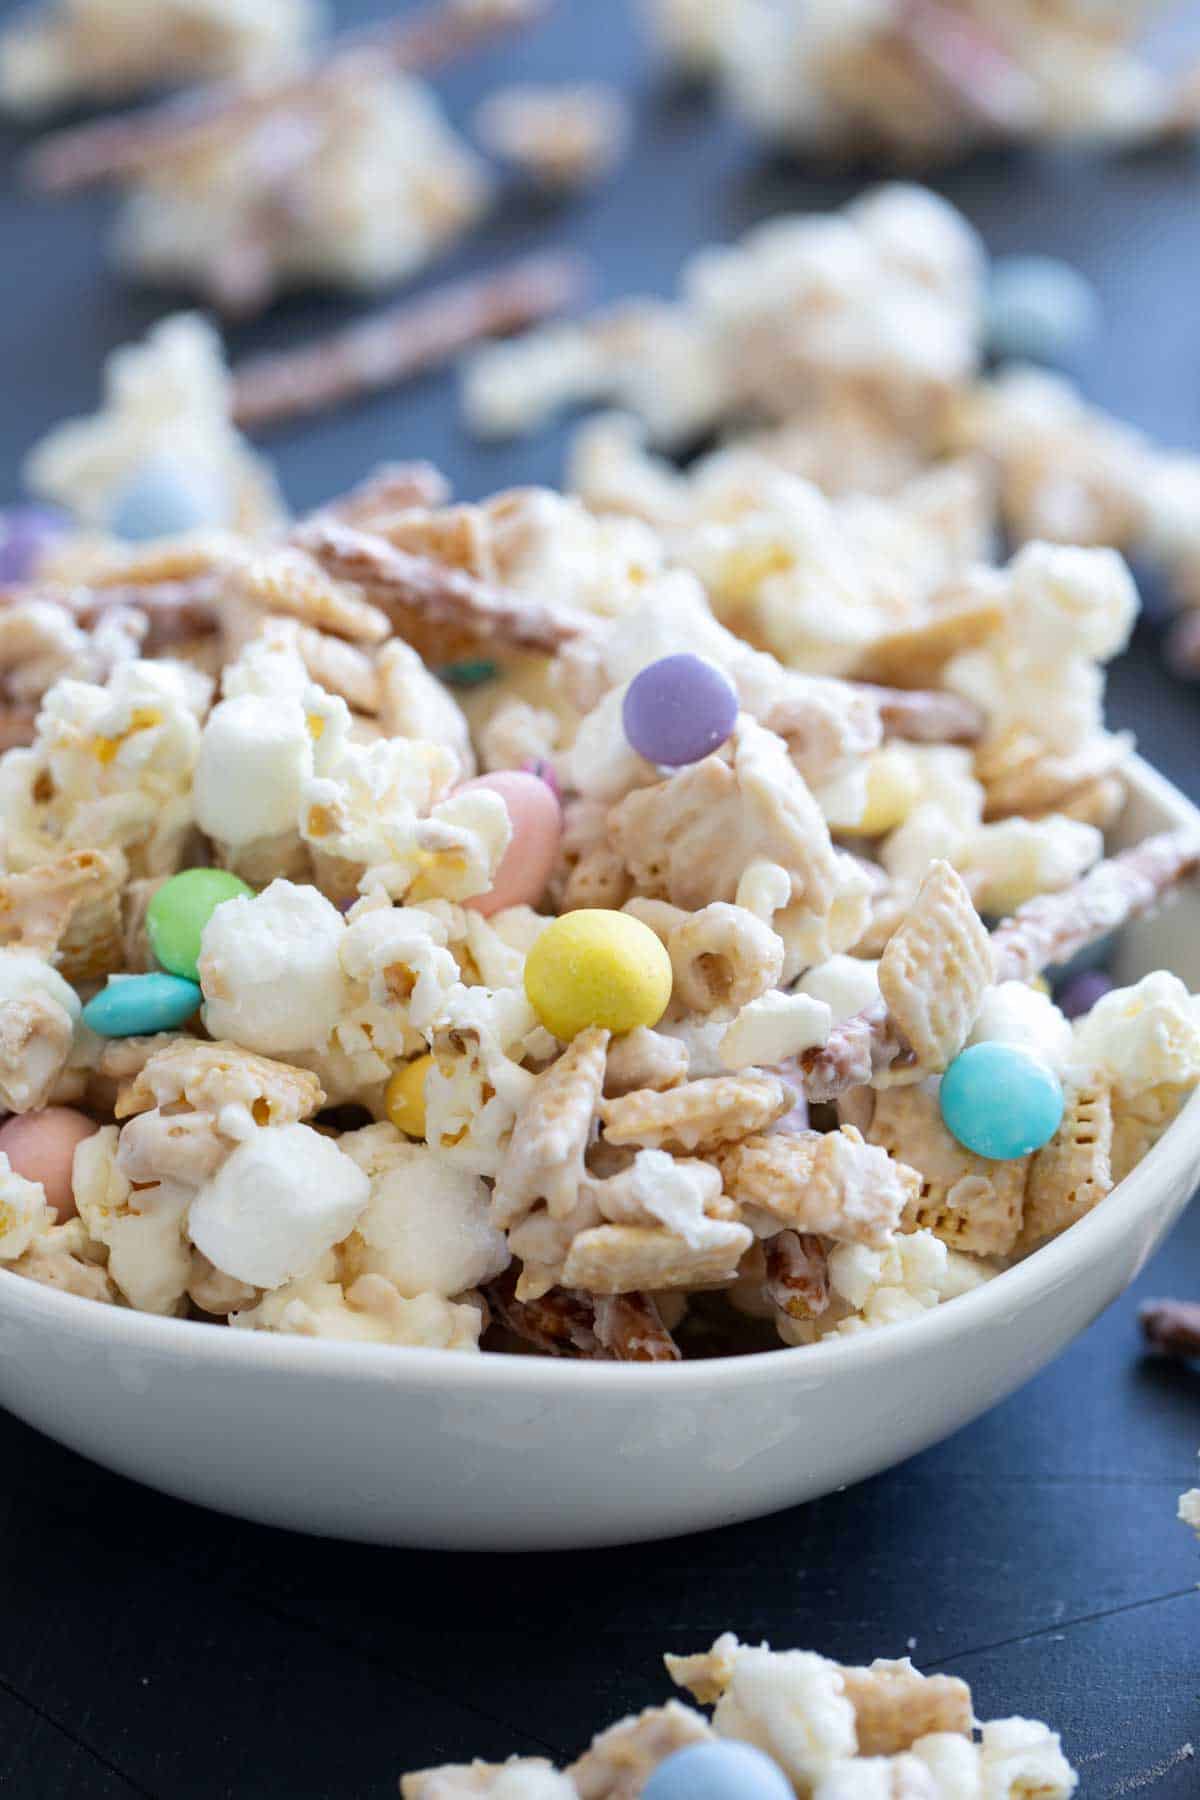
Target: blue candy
[
  {"x": 725, "y": 1770},
  {"x": 1039, "y": 309},
  {"x": 137, "y": 1005},
  {"x": 165, "y": 497},
  {"x": 1000, "y": 1101}
]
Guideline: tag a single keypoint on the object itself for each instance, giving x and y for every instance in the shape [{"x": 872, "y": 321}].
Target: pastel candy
[
  {"x": 536, "y": 819},
  {"x": 137, "y": 1005},
  {"x": 165, "y": 497},
  {"x": 1080, "y": 993},
  {"x": 41, "y": 1147},
  {"x": 595, "y": 967},
  {"x": 678, "y": 710},
  {"x": 179, "y": 911},
  {"x": 1001, "y": 1101},
  {"x": 26, "y": 532},
  {"x": 1039, "y": 308},
  {"x": 724, "y": 1770}
]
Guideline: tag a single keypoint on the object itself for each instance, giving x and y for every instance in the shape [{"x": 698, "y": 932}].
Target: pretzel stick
[
  {"x": 1050, "y": 929},
  {"x": 1054, "y": 927},
  {"x": 974, "y": 66},
  {"x": 1172, "y": 1326},
  {"x": 392, "y": 346},
  {"x": 925, "y": 716},
  {"x": 433, "y": 593},
  {"x": 797, "y": 1274},
  {"x": 566, "y": 1322},
  {"x": 134, "y": 142}
]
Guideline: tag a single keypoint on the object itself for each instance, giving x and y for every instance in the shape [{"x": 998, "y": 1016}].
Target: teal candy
[
  {"x": 137, "y": 1005},
  {"x": 165, "y": 497},
  {"x": 1000, "y": 1101},
  {"x": 725, "y": 1770}
]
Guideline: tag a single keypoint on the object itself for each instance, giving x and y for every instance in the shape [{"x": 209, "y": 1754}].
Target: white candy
[
  {"x": 255, "y": 755},
  {"x": 270, "y": 972},
  {"x": 277, "y": 1204},
  {"x": 847, "y": 985},
  {"x": 1142, "y": 1036},
  {"x": 1015, "y": 1013}
]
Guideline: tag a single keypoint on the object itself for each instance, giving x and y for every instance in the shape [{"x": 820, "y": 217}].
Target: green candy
[
  {"x": 178, "y": 913},
  {"x": 468, "y": 674}
]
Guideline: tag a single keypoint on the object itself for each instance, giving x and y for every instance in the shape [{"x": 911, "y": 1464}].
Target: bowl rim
[{"x": 1132, "y": 1203}]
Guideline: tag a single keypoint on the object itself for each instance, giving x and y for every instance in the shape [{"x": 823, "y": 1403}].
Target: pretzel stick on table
[
  {"x": 434, "y": 593},
  {"x": 392, "y": 346},
  {"x": 134, "y": 142},
  {"x": 1049, "y": 929},
  {"x": 1172, "y": 1326}
]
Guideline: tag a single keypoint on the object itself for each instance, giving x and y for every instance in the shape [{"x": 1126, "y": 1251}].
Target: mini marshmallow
[
  {"x": 255, "y": 755},
  {"x": 277, "y": 1204},
  {"x": 270, "y": 972},
  {"x": 776, "y": 1026},
  {"x": 846, "y": 984},
  {"x": 1015, "y": 1013}
]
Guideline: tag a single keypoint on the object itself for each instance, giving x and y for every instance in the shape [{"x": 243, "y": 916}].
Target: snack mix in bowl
[{"x": 611, "y": 925}]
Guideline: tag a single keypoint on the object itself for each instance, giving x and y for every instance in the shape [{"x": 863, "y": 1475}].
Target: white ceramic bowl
[{"x": 425, "y": 1447}]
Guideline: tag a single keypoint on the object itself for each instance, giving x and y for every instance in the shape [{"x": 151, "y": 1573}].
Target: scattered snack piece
[
  {"x": 68, "y": 50},
  {"x": 393, "y": 346},
  {"x": 787, "y": 1723},
  {"x": 562, "y": 138},
  {"x": 343, "y": 171},
  {"x": 1172, "y": 1327},
  {"x": 921, "y": 81}
]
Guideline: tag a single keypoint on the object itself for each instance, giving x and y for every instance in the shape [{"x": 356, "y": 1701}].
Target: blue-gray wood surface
[{"x": 147, "y": 1648}]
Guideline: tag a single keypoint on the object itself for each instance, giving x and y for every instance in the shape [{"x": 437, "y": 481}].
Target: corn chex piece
[
  {"x": 210, "y": 1076},
  {"x": 969, "y": 1202},
  {"x": 622, "y": 1259},
  {"x": 700, "y": 1115},
  {"x": 543, "y": 1163},
  {"x": 1074, "y": 1170},
  {"x": 935, "y": 967},
  {"x": 832, "y": 1183},
  {"x": 894, "y": 1705}
]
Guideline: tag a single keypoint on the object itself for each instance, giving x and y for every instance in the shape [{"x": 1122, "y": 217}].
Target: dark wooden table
[{"x": 147, "y": 1648}]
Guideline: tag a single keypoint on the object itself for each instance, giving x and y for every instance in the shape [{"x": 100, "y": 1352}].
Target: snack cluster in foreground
[
  {"x": 546, "y": 923},
  {"x": 787, "y": 1723}
]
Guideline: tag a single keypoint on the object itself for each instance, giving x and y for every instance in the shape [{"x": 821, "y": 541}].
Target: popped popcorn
[{"x": 833, "y": 1731}]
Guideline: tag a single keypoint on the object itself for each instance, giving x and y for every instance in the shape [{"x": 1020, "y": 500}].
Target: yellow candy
[
  {"x": 404, "y": 1097},
  {"x": 893, "y": 789},
  {"x": 594, "y": 967}
]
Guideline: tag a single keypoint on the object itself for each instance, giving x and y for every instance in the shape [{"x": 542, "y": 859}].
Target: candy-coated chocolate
[
  {"x": 536, "y": 820},
  {"x": 1039, "y": 309},
  {"x": 165, "y": 497},
  {"x": 137, "y": 1005},
  {"x": 1001, "y": 1101},
  {"x": 724, "y": 1770},
  {"x": 26, "y": 533},
  {"x": 595, "y": 967},
  {"x": 179, "y": 911},
  {"x": 468, "y": 674},
  {"x": 678, "y": 710},
  {"x": 404, "y": 1097},
  {"x": 1080, "y": 993},
  {"x": 41, "y": 1147}
]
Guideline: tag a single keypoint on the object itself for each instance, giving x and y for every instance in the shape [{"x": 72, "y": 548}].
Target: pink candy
[
  {"x": 536, "y": 830},
  {"x": 41, "y": 1147}
]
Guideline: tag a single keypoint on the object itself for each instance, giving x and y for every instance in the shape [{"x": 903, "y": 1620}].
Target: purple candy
[
  {"x": 25, "y": 533},
  {"x": 1080, "y": 993},
  {"x": 678, "y": 710}
]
